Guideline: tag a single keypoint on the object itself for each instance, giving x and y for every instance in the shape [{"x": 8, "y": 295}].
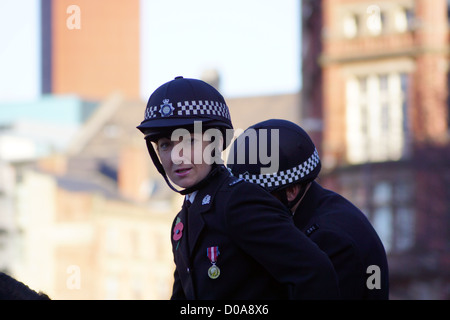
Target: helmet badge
[{"x": 166, "y": 109}]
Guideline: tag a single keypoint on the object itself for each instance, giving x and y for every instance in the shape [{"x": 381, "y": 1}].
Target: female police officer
[{"x": 234, "y": 241}]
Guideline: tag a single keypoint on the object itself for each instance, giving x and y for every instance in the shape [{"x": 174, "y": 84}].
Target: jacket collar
[{"x": 202, "y": 204}]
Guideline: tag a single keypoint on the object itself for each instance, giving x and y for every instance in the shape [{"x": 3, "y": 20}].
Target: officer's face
[{"x": 184, "y": 160}]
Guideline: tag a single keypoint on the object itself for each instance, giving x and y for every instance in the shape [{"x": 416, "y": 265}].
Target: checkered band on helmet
[
  {"x": 182, "y": 102},
  {"x": 286, "y": 177},
  {"x": 192, "y": 108}
]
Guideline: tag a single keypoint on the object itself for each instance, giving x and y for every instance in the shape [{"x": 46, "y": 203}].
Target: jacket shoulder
[
  {"x": 234, "y": 181},
  {"x": 234, "y": 189},
  {"x": 235, "y": 184}
]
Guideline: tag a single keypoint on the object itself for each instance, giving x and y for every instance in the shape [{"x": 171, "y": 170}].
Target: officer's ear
[{"x": 292, "y": 192}]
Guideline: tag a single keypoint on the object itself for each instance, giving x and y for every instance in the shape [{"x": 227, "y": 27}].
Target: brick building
[
  {"x": 90, "y": 48},
  {"x": 376, "y": 80}
]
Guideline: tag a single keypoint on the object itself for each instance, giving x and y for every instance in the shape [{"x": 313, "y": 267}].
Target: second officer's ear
[{"x": 292, "y": 192}]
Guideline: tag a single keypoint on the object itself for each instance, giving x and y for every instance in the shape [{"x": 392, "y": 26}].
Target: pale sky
[
  {"x": 254, "y": 44},
  {"x": 19, "y": 50}
]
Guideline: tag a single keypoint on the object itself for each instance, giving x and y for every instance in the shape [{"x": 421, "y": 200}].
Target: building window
[
  {"x": 382, "y": 216},
  {"x": 392, "y": 215},
  {"x": 111, "y": 288},
  {"x": 112, "y": 240},
  {"x": 376, "y": 118},
  {"x": 350, "y": 25},
  {"x": 403, "y": 19},
  {"x": 376, "y": 20},
  {"x": 384, "y": 103},
  {"x": 404, "y": 215},
  {"x": 386, "y": 197},
  {"x": 405, "y": 228}
]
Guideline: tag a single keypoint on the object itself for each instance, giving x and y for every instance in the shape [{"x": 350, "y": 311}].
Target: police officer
[
  {"x": 336, "y": 225},
  {"x": 231, "y": 239}
]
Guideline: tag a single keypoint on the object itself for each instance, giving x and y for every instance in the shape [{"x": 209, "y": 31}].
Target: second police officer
[
  {"x": 231, "y": 239},
  {"x": 338, "y": 227}
]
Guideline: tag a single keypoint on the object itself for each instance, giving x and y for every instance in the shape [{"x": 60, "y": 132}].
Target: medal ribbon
[{"x": 212, "y": 253}]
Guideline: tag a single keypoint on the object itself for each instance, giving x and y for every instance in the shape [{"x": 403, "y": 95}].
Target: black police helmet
[
  {"x": 298, "y": 159},
  {"x": 181, "y": 102}
]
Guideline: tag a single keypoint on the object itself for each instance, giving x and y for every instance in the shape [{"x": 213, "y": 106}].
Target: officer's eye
[
  {"x": 193, "y": 140},
  {"x": 164, "y": 144}
]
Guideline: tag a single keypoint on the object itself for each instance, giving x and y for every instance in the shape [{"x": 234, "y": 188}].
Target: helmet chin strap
[
  {"x": 158, "y": 165},
  {"x": 161, "y": 170},
  {"x": 291, "y": 204}
]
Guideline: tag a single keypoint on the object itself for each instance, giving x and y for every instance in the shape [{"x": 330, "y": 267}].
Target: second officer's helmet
[{"x": 296, "y": 157}]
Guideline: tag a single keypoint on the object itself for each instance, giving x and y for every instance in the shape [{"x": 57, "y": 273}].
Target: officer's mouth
[{"x": 182, "y": 172}]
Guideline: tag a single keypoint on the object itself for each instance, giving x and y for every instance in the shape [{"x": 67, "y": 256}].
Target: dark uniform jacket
[
  {"x": 346, "y": 235},
  {"x": 262, "y": 255}
]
